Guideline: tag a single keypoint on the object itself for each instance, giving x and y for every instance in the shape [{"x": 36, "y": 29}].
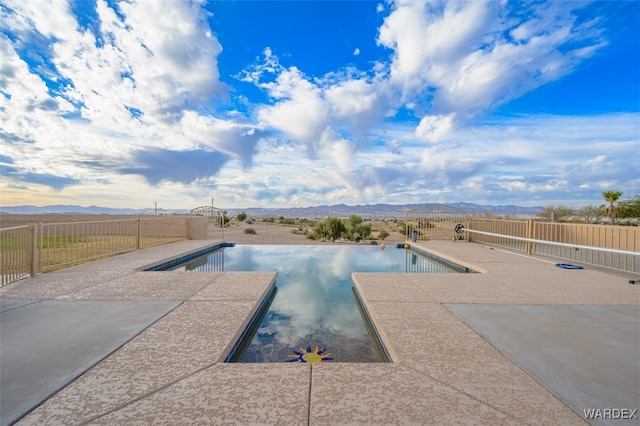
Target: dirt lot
[
  {"x": 266, "y": 233},
  {"x": 278, "y": 234},
  {"x": 8, "y": 220}
]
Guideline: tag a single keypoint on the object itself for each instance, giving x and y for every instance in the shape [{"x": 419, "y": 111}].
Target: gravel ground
[{"x": 278, "y": 234}]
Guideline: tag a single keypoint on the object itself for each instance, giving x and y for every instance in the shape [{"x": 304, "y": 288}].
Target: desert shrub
[
  {"x": 331, "y": 228},
  {"x": 250, "y": 231}
]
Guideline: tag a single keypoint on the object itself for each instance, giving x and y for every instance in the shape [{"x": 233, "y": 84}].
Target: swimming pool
[{"x": 315, "y": 304}]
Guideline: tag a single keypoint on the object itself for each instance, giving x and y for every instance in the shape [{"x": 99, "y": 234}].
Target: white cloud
[
  {"x": 132, "y": 85},
  {"x": 300, "y": 111},
  {"x": 455, "y": 57},
  {"x": 129, "y": 102},
  {"x": 155, "y": 65},
  {"x": 51, "y": 19},
  {"x": 314, "y": 112},
  {"x": 138, "y": 60},
  {"x": 433, "y": 128}
]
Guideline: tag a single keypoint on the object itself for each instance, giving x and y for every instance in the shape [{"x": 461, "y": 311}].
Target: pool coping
[
  {"x": 450, "y": 263},
  {"x": 348, "y": 392}
]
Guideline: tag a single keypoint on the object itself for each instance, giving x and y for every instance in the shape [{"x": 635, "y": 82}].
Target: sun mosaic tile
[{"x": 310, "y": 356}]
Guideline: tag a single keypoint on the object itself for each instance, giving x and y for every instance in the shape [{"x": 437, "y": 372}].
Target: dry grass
[
  {"x": 67, "y": 240},
  {"x": 91, "y": 248},
  {"x": 63, "y": 251},
  {"x": 8, "y": 220}
]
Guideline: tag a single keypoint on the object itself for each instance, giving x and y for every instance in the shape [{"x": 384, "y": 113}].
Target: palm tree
[{"x": 611, "y": 197}]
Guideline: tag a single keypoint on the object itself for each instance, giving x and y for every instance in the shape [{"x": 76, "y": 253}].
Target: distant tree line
[{"x": 613, "y": 209}]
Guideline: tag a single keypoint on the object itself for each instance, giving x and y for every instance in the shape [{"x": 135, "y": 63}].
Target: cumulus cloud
[
  {"x": 432, "y": 128},
  {"x": 515, "y": 155},
  {"x": 116, "y": 91},
  {"x": 151, "y": 63},
  {"x": 133, "y": 98},
  {"x": 235, "y": 138},
  {"x": 300, "y": 111},
  {"x": 375, "y": 181},
  {"x": 450, "y": 61},
  {"x": 326, "y": 114},
  {"x": 463, "y": 57},
  {"x": 158, "y": 165}
]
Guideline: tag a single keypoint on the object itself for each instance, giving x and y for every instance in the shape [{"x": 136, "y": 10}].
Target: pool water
[{"x": 315, "y": 304}]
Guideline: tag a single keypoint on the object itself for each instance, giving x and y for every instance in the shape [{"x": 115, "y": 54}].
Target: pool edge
[
  {"x": 446, "y": 260},
  {"x": 254, "y": 318},
  {"x": 383, "y": 340}
]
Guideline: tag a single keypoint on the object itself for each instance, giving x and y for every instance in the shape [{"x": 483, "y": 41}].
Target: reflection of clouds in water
[
  {"x": 341, "y": 262},
  {"x": 315, "y": 298},
  {"x": 315, "y": 303}
]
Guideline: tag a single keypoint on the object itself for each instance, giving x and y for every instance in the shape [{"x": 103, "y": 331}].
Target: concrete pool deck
[{"x": 524, "y": 342}]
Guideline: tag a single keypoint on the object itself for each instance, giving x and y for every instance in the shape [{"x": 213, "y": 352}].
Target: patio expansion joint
[
  {"x": 61, "y": 294},
  {"x": 148, "y": 394},
  {"x": 467, "y": 394},
  {"x": 70, "y": 293},
  {"x": 196, "y": 291},
  {"x": 31, "y": 302},
  {"x": 309, "y": 395}
]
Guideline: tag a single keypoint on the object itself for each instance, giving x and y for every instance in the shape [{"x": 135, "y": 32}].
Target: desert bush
[{"x": 250, "y": 231}]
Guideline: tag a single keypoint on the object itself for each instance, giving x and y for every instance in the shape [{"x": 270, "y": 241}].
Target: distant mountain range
[
  {"x": 384, "y": 210},
  {"x": 340, "y": 210},
  {"x": 71, "y": 209}
]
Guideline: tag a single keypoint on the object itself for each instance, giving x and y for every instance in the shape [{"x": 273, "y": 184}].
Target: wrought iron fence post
[
  {"x": 32, "y": 242},
  {"x": 222, "y": 218},
  {"x": 40, "y": 246}
]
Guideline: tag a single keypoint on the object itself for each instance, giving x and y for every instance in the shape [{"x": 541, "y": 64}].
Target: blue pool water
[{"x": 315, "y": 303}]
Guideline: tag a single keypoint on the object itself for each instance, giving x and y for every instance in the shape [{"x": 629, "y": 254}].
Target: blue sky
[{"x": 301, "y": 103}]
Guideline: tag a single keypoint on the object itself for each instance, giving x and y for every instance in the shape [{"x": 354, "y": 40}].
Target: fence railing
[
  {"x": 215, "y": 226},
  {"x": 436, "y": 223},
  {"x": 215, "y": 220},
  {"x": 43, "y": 247},
  {"x": 17, "y": 247},
  {"x": 609, "y": 246}
]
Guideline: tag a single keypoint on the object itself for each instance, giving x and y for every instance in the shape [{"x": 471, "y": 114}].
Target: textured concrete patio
[{"x": 523, "y": 342}]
